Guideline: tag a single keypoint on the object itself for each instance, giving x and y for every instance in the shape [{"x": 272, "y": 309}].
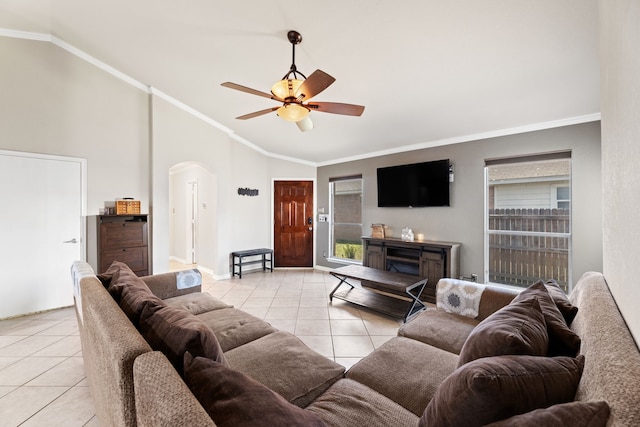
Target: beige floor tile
[
  {"x": 19, "y": 405},
  {"x": 32, "y": 327},
  {"x": 289, "y": 293},
  {"x": 6, "y": 340},
  {"x": 65, "y": 327},
  {"x": 352, "y": 346},
  {"x": 26, "y": 369},
  {"x": 314, "y": 313},
  {"x": 285, "y": 302},
  {"x": 343, "y": 310},
  {"x": 316, "y": 293},
  {"x": 319, "y": 343},
  {"x": 67, "y": 346},
  {"x": 6, "y": 389},
  {"x": 29, "y": 345},
  {"x": 314, "y": 301},
  {"x": 262, "y": 292},
  {"x": 67, "y": 373},
  {"x": 312, "y": 327},
  {"x": 282, "y": 313},
  {"x": 93, "y": 422},
  {"x": 348, "y": 327},
  {"x": 6, "y": 361},
  {"x": 253, "y": 301},
  {"x": 73, "y": 408}
]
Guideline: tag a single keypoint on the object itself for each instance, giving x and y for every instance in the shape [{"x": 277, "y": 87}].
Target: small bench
[{"x": 238, "y": 259}]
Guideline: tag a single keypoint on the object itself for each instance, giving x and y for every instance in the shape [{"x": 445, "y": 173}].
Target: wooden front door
[{"x": 293, "y": 223}]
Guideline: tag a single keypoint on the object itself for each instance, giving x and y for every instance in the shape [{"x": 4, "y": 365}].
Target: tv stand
[{"x": 431, "y": 260}]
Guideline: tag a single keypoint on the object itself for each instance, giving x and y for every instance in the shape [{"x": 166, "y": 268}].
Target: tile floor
[{"x": 42, "y": 380}]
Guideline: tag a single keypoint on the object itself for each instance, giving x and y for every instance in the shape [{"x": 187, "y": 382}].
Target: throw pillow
[
  {"x": 133, "y": 299},
  {"x": 562, "y": 340},
  {"x": 174, "y": 331},
  {"x": 496, "y": 388},
  {"x": 567, "y": 309},
  {"x": 117, "y": 277},
  {"x": 233, "y": 399},
  {"x": 459, "y": 297},
  {"x": 517, "y": 328},
  {"x": 585, "y": 414}
]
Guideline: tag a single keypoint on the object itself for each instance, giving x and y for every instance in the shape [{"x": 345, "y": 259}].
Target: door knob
[{"x": 74, "y": 240}]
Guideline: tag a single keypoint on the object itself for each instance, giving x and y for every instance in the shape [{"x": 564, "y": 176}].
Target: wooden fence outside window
[{"x": 529, "y": 244}]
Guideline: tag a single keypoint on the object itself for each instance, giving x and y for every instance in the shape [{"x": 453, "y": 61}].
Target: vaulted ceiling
[{"x": 429, "y": 72}]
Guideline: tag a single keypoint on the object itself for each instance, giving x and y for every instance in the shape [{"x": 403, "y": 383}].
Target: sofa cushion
[
  {"x": 585, "y": 414},
  {"x": 406, "y": 371},
  {"x": 440, "y": 329},
  {"x": 196, "y": 302},
  {"x": 496, "y": 388},
  {"x": 282, "y": 362},
  {"x": 174, "y": 331},
  {"x": 517, "y": 328},
  {"x": 348, "y": 403},
  {"x": 561, "y": 299},
  {"x": 234, "y": 327},
  {"x": 562, "y": 340},
  {"x": 233, "y": 399}
]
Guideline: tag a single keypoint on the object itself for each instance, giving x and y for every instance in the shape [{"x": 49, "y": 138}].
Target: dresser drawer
[
  {"x": 136, "y": 258},
  {"x": 115, "y": 235}
]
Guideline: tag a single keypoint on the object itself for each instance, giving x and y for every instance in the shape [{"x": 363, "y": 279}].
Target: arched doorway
[{"x": 192, "y": 215}]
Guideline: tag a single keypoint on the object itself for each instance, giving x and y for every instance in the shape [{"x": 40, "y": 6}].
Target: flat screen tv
[{"x": 414, "y": 185}]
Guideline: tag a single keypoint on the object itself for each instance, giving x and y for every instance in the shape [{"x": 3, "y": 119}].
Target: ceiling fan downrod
[{"x": 294, "y": 38}]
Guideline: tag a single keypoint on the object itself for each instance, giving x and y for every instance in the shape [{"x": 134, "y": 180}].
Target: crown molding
[{"x": 587, "y": 118}]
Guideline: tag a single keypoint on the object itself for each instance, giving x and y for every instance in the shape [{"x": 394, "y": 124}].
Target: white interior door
[{"x": 41, "y": 228}]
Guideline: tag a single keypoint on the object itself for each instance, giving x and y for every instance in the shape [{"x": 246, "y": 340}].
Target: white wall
[
  {"x": 620, "y": 86},
  {"x": 55, "y": 103}
]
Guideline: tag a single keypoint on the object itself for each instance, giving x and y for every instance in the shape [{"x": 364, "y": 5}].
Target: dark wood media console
[{"x": 431, "y": 260}]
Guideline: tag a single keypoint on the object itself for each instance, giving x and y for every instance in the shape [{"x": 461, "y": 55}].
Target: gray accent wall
[{"x": 463, "y": 221}]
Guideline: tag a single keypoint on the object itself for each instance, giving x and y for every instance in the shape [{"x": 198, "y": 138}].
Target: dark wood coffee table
[{"x": 398, "y": 294}]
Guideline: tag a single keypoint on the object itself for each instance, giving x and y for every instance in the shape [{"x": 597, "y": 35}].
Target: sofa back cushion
[
  {"x": 562, "y": 340},
  {"x": 233, "y": 399},
  {"x": 517, "y": 328},
  {"x": 495, "y": 388},
  {"x": 174, "y": 332},
  {"x": 128, "y": 290}
]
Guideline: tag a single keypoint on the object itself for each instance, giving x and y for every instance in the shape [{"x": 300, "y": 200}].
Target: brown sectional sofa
[{"x": 396, "y": 385}]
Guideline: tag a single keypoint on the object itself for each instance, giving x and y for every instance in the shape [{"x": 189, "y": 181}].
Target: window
[
  {"x": 528, "y": 219},
  {"x": 346, "y": 218}
]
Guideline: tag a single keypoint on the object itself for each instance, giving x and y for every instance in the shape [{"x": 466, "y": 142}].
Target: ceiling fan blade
[
  {"x": 313, "y": 85},
  {"x": 249, "y": 90},
  {"x": 336, "y": 108},
  {"x": 257, "y": 113}
]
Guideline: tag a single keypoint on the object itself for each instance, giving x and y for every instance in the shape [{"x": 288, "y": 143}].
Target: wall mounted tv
[{"x": 414, "y": 185}]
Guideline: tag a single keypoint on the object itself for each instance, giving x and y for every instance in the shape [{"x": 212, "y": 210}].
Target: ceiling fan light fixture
[
  {"x": 286, "y": 88},
  {"x": 292, "y": 112},
  {"x": 305, "y": 124}
]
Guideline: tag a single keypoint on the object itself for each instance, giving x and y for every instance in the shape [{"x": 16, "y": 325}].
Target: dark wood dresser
[{"x": 118, "y": 238}]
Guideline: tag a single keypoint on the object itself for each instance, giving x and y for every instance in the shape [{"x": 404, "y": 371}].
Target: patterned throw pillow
[{"x": 459, "y": 297}]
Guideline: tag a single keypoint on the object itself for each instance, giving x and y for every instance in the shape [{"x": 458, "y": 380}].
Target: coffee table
[{"x": 393, "y": 294}]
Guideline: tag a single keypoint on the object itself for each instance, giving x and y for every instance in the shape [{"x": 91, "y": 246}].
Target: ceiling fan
[{"x": 295, "y": 93}]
